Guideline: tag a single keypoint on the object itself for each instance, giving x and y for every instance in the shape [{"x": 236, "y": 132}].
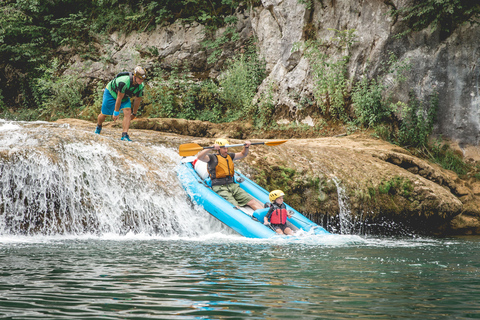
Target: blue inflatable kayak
[{"x": 245, "y": 221}]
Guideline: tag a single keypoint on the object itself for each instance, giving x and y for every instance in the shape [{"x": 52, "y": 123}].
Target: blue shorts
[{"x": 108, "y": 104}]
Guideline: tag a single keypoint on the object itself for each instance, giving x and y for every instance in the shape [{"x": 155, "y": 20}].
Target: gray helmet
[{"x": 140, "y": 73}]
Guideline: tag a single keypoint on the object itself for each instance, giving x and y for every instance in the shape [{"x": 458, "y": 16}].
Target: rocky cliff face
[{"x": 447, "y": 65}]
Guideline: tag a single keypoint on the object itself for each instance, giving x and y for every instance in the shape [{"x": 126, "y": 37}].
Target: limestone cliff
[{"x": 448, "y": 65}]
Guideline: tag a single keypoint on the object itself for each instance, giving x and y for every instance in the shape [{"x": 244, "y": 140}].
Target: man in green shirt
[{"x": 117, "y": 96}]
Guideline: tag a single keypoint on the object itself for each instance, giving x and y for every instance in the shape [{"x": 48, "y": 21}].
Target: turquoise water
[
  {"x": 229, "y": 277},
  {"x": 65, "y": 183}
]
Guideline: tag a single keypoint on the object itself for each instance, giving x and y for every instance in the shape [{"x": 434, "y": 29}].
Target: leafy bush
[
  {"x": 417, "y": 122},
  {"x": 330, "y": 76},
  {"x": 443, "y": 155},
  {"x": 58, "y": 95},
  {"x": 264, "y": 110},
  {"x": 175, "y": 95},
  {"x": 91, "y": 111},
  {"x": 371, "y": 106},
  {"x": 397, "y": 185},
  {"x": 239, "y": 83}
]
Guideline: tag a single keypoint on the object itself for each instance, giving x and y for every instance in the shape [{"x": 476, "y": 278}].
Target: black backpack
[{"x": 125, "y": 73}]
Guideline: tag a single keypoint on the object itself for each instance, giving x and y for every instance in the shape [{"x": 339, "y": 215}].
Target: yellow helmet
[
  {"x": 221, "y": 142},
  {"x": 139, "y": 72},
  {"x": 275, "y": 194}
]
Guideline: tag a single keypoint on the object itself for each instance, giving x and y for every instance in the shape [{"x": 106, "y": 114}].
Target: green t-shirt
[{"x": 122, "y": 84}]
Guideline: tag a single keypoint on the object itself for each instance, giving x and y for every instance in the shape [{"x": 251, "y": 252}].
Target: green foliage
[
  {"x": 216, "y": 46},
  {"x": 239, "y": 84},
  {"x": 330, "y": 76},
  {"x": 72, "y": 30},
  {"x": 32, "y": 30},
  {"x": 264, "y": 110},
  {"x": 58, "y": 95},
  {"x": 397, "y": 185},
  {"x": 127, "y": 15},
  {"x": 176, "y": 96},
  {"x": 91, "y": 111},
  {"x": 417, "y": 121},
  {"x": 371, "y": 106},
  {"x": 445, "y": 15},
  {"x": 160, "y": 94},
  {"x": 443, "y": 155}
]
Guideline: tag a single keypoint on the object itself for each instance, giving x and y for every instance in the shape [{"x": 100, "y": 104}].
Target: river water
[
  {"x": 221, "y": 276},
  {"x": 93, "y": 228}
]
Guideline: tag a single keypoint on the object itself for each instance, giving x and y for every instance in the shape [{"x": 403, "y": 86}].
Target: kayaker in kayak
[
  {"x": 221, "y": 170},
  {"x": 277, "y": 215}
]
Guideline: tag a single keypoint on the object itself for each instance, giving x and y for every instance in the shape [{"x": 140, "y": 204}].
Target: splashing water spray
[{"x": 56, "y": 180}]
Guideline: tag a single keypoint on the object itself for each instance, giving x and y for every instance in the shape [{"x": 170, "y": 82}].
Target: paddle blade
[
  {"x": 189, "y": 149},
  {"x": 275, "y": 143}
]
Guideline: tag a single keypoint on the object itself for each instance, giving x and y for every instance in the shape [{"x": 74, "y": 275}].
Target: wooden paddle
[{"x": 191, "y": 149}]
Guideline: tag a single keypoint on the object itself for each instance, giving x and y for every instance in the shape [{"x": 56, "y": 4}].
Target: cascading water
[
  {"x": 345, "y": 216},
  {"x": 57, "y": 180}
]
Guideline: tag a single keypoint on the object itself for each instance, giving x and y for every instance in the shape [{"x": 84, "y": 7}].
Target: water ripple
[{"x": 239, "y": 279}]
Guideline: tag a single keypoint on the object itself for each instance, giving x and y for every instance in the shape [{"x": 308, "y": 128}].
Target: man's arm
[
  {"x": 203, "y": 155},
  {"x": 244, "y": 153},
  {"x": 136, "y": 104},
  {"x": 118, "y": 103}
]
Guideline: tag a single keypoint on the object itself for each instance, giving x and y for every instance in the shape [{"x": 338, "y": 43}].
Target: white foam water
[{"x": 83, "y": 184}]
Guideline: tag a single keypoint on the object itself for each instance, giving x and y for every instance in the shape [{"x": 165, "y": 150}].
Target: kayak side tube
[{"x": 220, "y": 208}]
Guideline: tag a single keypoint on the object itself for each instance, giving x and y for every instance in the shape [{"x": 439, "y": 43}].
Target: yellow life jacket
[{"x": 221, "y": 171}]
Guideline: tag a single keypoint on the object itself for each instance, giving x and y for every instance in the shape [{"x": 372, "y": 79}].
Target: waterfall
[
  {"x": 59, "y": 180},
  {"x": 345, "y": 214}
]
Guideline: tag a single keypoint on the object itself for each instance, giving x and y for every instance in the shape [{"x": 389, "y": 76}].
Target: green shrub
[
  {"x": 58, "y": 95},
  {"x": 329, "y": 75},
  {"x": 371, "y": 106},
  {"x": 397, "y": 185},
  {"x": 239, "y": 82},
  {"x": 160, "y": 94},
  {"x": 417, "y": 121},
  {"x": 91, "y": 112},
  {"x": 443, "y": 155},
  {"x": 264, "y": 110},
  {"x": 176, "y": 96}
]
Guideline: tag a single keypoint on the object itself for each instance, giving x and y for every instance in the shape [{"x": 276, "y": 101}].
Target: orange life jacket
[{"x": 221, "y": 171}]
